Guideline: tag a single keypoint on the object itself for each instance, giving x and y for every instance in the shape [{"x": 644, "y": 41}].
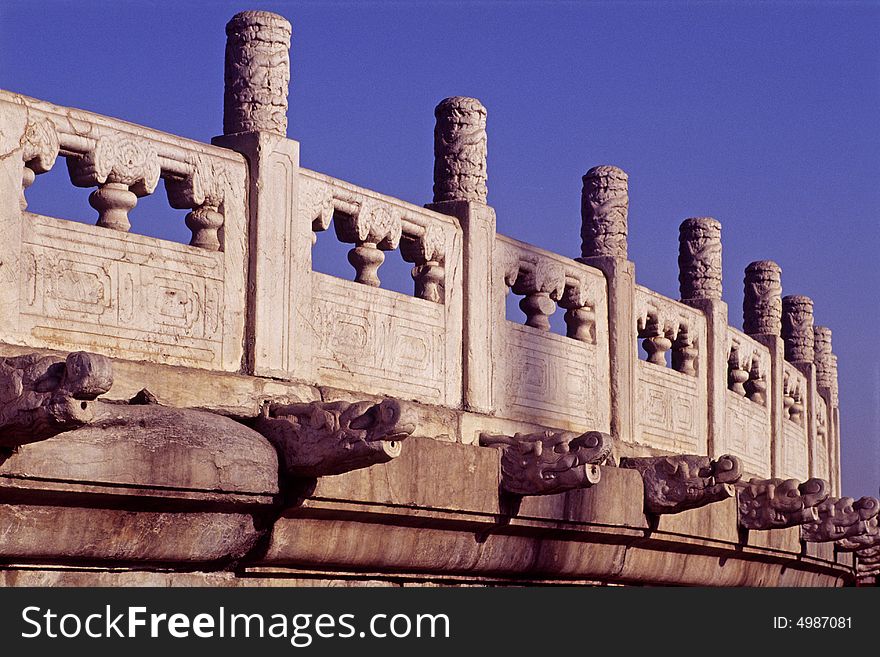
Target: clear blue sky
[{"x": 765, "y": 116}]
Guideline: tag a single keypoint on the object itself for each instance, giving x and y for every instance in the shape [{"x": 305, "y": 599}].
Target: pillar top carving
[
  {"x": 604, "y": 210},
  {"x": 460, "y": 150},
  {"x": 699, "y": 258}
]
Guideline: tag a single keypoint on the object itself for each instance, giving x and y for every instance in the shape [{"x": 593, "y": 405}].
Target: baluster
[
  {"x": 373, "y": 228},
  {"x": 202, "y": 192},
  {"x": 736, "y": 376},
  {"x": 580, "y": 318},
  {"x": 655, "y": 343},
  {"x": 427, "y": 252},
  {"x": 684, "y": 353},
  {"x": 756, "y": 386},
  {"x": 123, "y": 168},
  {"x": 542, "y": 284}
]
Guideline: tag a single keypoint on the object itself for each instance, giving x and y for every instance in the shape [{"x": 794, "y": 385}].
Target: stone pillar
[
  {"x": 762, "y": 320},
  {"x": 699, "y": 278},
  {"x": 460, "y": 148},
  {"x": 824, "y": 373},
  {"x": 14, "y": 129},
  {"x": 604, "y": 208},
  {"x": 835, "y": 403},
  {"x": 797, "y": 333},
  {"x": 257, "y": 74}
]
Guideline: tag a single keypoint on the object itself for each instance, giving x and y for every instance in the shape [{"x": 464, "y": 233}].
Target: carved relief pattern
[
  {"x": 460, "y": 148},
  {"x": 167, "y": 304},
  {"x": 762, "y": 299},
  {"x": 39, "y": 150},
  {"x": 315, "y": 203},
  {"x": 778, "y": 503},
  {"x": 552, "y": 379},
  {"x": 684, "y": 481},
  {"x": 797, "y": 328},
  {"x": 257, "y": 73},
  {"x": 668, "y": 411},
  {"x": 747, "y": 433},
  {"x": 378, "y": 339},
  {"x": 604, "y": 207},
  {"x": 835, "y": 399},
  {"x": 550, "y": 462},
  {"x": 699, "y": 258}
]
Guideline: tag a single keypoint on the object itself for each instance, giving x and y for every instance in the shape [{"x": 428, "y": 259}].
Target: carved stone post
[
  {"x": 13, "y": 135},
  {"x": 257, "y": 75},
  {"x": 797, "y": 332},
  {"x": 835, "y": 422},
  {"x": 460, "y": 147},
  {"x": 762, "y": 320},
  {"x": 604, "y": 208},
  {"x": 824, "y": 376},
  {"x": 699, "y": 277}
]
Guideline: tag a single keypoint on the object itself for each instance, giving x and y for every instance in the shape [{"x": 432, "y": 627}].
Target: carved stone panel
[
  {"x": 123, "y": 295},
  {"x": 747, "y": 433},
  {"x": 670, "y": 410},
  {"x": 379, "y": 341},
  {"x": 550, "y": 379}
]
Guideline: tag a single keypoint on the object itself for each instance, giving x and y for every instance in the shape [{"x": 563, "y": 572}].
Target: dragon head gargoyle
[
  {"x": 316, "y": 439},
  {"x": 841, "y": 518},
  {"x": 684, "y": 481},
  {"x": 779, "y": 503},
  {"x": 41, "y": 396},
  {"x": 549, "y": 462}
]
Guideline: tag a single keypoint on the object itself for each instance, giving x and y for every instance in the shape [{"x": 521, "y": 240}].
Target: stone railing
[
  {"x": 243, "y": 296},
  {"x": 103, "y": 287},
  {"x": 541, "y": 377},
  {"x": 282, "y": 372},
  {"x": 671, "y": 383}
]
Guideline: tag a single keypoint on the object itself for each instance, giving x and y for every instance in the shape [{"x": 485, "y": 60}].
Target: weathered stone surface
[
  {"x": 41, "y": 395},
  {"x": 154, "y": 446},
  {"x": 777, "y": 503},
  {"x": 762, "y": 299},
  {"x": 550, "y": 462},
  {"x": 677, "y": 483},
  {"x": 257, "y": 73},
  {"x": 328, "y": 438},
  {"x": 604, "y": 207},
  {"x": 699, "y": 258},
  {"x": 460, "y": 150},
  {"x": 841, "y": 518}
]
